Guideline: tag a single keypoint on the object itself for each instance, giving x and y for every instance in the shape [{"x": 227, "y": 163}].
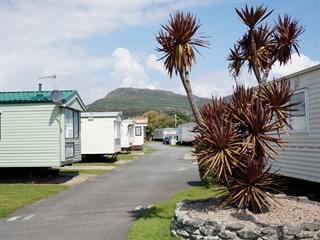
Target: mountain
[{"x": 134, "y": 102}]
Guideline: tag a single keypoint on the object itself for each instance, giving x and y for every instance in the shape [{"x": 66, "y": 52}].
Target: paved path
[{"x": 102, "y": 208}]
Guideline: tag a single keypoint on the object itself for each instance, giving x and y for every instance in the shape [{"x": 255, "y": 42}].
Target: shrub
[{"x": 235, "y": 143}]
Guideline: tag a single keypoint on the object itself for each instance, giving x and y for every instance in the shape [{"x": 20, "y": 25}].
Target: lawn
[
  {"x": 14, "y": 196},
  {"x": 155, "y": 223},
  {"x": 82, "y": 171},
  {"x": 95, "y": 164}
]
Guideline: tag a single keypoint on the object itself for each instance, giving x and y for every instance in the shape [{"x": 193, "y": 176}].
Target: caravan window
[
  {"x": 299, "y": 118},
  {"x": 138, "y": 131},
  {"x": 72, "y": 123},
  {"x": 69, "y": 150}
]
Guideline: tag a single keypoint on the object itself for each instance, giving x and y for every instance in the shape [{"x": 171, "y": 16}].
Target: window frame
[
  {"x": 66, "y": 150},
  {"x": 138, "y": 132},
  {"x": 75, "y": 124},
  {"x": 306, "y": 112}
]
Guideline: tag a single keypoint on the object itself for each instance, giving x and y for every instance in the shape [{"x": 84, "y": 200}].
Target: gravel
[{"x": 289, "y": 211}]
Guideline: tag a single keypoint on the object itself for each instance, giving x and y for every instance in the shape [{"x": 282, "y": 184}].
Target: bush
[{"x": 235, "y": 140}]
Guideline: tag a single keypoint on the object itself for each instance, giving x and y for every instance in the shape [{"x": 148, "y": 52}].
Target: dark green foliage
[{"x": 135, "y": 102}]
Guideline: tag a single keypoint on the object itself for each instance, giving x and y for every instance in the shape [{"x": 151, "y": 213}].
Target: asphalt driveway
[{"x": 103, "y": 207}]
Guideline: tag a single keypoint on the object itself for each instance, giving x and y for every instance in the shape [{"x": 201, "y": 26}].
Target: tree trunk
[{"x": 187, "y": 86}]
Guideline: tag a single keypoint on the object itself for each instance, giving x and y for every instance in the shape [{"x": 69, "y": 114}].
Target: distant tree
[{"x": 178, "y": 42}]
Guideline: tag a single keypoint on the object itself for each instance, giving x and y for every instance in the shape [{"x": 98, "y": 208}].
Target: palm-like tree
[
  {"x": 263, "y": 45},
  {"x": 178, "y": 42}
]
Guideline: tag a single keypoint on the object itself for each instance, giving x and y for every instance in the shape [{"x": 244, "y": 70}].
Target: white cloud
[
  {"x": 44, "y": 37},
  {"x": 297, "y": 64},
  {"x": 153, "y": 63},
  {"x": 128, "y": 70},
  {"x": 220, "y": 83}
]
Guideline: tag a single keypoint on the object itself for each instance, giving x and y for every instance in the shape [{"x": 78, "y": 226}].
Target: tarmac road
[{"x": 102, "y": 208}]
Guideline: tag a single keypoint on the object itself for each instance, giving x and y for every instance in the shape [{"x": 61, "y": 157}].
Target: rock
[
  {"x": 210, "y": 228},
  {"x": 248, "y": 233},
  {"x": 226, "y": 234},
  {"x": 291, "y": 230},
  {"x": 196, "y": 237},
  {"x": 192, "y": 230},
  {"x": 310, "y": 226},
  {"x": 305, "y": 234},
  {"x": 286, "y": 237},
  {"x": 234, "y": 227},
  {"x": 183, "y": 233},
  {"x": 211, "y": 238},
  {"x": 268, "y": 231},
  {"x": 303, "y": 199}
]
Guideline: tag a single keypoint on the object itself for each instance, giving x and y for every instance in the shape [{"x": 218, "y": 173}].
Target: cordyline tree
[
  {"x": 237, "y": 137},
  {"x": 178, "y": 42}
]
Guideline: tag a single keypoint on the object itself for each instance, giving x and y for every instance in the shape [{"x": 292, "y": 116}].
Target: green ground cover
[
  {"x": 14, "y": 196},
  {"x": 95, "y": 164},
  {"x": 155, "y": 223}
]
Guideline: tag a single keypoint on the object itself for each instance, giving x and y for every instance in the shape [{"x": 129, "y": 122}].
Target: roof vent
[{"x": 39, "y": 94}]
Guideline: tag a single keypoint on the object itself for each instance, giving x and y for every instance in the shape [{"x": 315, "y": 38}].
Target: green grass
[
  {"x": 135, "y": 154},
  {"x": 14, "y": 196},
  {"x": 126, "y": 156},
  {"x": 148, "y": 149},
  {"x": 94, "y": 164},
  {"x": 155, "y": 223}
]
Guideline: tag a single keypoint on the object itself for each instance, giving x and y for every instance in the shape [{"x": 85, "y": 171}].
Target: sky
[{"x": 96, "y": 46}]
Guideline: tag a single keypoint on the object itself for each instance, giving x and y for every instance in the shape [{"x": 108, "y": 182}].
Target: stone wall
[{"x": 186, "y": 227}]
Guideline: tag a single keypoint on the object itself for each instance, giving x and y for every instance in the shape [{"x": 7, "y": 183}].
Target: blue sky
[{"x": 97, "y": 46}]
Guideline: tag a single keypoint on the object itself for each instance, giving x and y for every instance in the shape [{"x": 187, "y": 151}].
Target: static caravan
[
  {"x": 185, "y": 134},
  {"x": 40, "y": 128},
  {"x": 127, "y": 134},
  {"x": 301, "y": 158},
  {"x": 160, "y": 133},
  {"x": 139, "y": 132},
  {"x": 100, "y": 133}
]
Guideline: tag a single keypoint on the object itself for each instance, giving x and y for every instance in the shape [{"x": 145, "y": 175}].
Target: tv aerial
[{"x": 56, "y": 96}]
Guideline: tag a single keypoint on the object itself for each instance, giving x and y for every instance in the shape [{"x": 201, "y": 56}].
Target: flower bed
[{"x": 295, "y": 218}]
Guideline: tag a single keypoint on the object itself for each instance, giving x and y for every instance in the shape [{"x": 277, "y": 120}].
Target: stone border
[{"x": 186, "y": 227}]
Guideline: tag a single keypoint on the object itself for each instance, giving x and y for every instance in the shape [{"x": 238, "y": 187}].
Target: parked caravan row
[
  {"x": 106, "y": 133},
  {"x": 160, "y": 133},
  {"x": 182, "y": 133},
  {"x": 51, "y": 129},
  {"x": 48, "y": 129},
  {"x": 185, "y": 134}
]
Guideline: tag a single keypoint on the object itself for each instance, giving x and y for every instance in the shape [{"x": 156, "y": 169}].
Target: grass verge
[
  {"x": 14, "y": 196},
  {"x": 95, "y": 164},
  {"x": 155, "y": 223}
]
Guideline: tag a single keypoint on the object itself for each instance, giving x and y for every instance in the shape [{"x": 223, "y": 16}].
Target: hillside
[{"x": 134, "y": 102}]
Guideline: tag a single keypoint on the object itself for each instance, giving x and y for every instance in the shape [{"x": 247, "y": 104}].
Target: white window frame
[
  {"x": 138, "y": 131},
  {"x": 307, "y": 124},
  {"x": 74, "y": 128}
]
